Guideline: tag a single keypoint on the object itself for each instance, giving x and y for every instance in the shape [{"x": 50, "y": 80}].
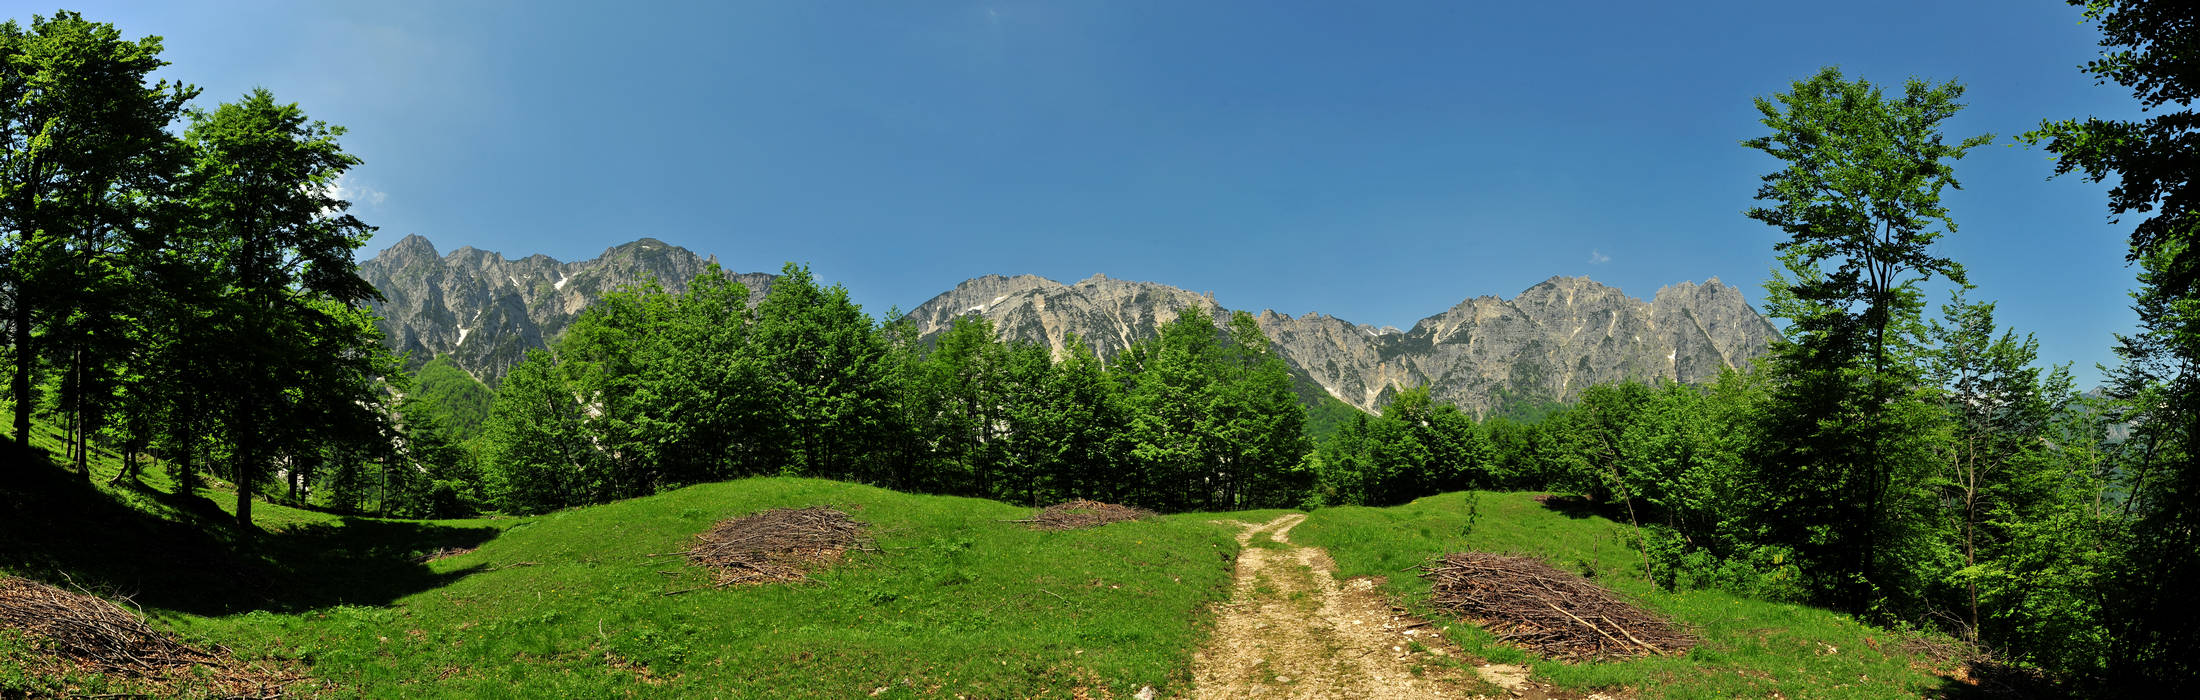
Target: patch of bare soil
[
  {"x": 1291, "y": 630},
  {"x": 1082, "y": 513},
  {"x": 777, "y": 545},
  {"x": 1529, "y": 603},
  {"x": 79, "y": 632}
]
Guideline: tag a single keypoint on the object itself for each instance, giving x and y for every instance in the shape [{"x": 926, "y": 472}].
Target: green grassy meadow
[{"x": 953, "y": 602}]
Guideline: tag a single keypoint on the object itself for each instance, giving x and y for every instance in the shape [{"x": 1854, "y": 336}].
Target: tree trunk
[
  {"x": 83, "y": 426},
  {"x": 24, "y": 357},
  {"x": 245, "y": 467},
  {"x": 21, "y": 325}
]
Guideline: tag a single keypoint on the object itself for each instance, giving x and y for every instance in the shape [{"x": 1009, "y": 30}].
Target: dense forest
[{"x": 180, "y": 287}]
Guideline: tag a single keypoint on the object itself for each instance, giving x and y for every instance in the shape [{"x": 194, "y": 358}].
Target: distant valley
[{"x": 1548, "y": 343}]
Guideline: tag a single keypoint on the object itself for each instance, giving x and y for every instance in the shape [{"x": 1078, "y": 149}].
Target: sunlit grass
[
  {"x": 955, "y": 601},
  {"x": 1751, "y": 648}
]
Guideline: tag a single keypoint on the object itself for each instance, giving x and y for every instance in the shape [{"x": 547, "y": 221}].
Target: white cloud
[
  {"x": 1596, "y": 258},
  {"x": 351, "y": 190}
]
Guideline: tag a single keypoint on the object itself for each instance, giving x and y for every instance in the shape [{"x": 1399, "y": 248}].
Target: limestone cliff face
[
  {"x": 1549, "y": 343},
  {"x": 486, "y": 311},
  {"x": 1107, "y": 314}
]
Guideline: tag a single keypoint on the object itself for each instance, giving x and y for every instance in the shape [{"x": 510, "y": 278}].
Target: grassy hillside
[
  {"x": 954, "y": 602},
  {"x": 1751, "y": 648},
  {"x": 572, "y": 604}
]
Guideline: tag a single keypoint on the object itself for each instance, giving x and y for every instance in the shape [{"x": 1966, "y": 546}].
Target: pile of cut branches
[
  {"x": 1083, "y": 513},
  {"x": 777, "y": 545},
  {"x": 85, "y": 632},
  {"x": 1536, "y": 606}
]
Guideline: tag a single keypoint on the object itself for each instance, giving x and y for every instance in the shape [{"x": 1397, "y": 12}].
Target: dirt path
[{"x": 1291, "y": 630}]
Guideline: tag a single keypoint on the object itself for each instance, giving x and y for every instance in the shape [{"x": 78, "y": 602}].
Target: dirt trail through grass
[{"x": 1291, "y": 630}]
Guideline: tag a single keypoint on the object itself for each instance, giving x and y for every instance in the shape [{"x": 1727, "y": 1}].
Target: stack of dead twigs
[
  {"x": 777, "y": 545},
  {"x": 1529, "y": 603},
  {"x": 90, "y": 633},
  {"x": 1083, "y": 513}
]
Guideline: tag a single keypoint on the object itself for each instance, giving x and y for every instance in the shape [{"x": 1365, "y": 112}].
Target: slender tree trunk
[
  {"x": 182, "y": 466},
  {"x": 83, "y": 426},
  {"x": 24, "y": 358},
  {"x": 246, "y": 465},
  {"x": 26, "y": 220}
]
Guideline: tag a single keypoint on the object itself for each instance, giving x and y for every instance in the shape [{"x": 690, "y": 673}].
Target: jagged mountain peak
[
  {"x": 1549, "y": 342},
  {"x": 486, "y": 311}
]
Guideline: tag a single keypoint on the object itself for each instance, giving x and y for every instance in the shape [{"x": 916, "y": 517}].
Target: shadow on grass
[
  {"x": 1577, "y": 507},
  {"x": 183, "y": 553},
  {"x": 1988, "y": 680}
]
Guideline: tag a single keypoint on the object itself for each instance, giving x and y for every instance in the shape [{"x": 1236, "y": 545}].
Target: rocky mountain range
[
  {"x": 1549, "y": 343},
  {"x": 486, "y": 311}
]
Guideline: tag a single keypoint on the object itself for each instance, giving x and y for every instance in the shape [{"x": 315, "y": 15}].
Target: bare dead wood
[
  {"x": 1082, "y": 513},
  {"x": 1584, "y": 623},
  {"x": 82, "y": 631},
  {"x": 1527, "y": 602},
  {"x": 776, "y": 546}
]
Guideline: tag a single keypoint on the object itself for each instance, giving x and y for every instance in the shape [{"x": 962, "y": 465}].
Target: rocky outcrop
[{"x": 486, "y": 311}]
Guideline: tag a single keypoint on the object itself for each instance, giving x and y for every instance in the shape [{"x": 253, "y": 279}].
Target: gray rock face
[
  {"x": 486, "y": 312},
  {"x": 1107, "y": 314},
  {"x": 1549, "y": 343}
]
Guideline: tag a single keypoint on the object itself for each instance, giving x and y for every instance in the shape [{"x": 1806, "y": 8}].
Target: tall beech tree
[
  {"x": 84, "y": 154},
  {"x": 263, "y": 180},
  {"x": 1859, "y": 197},
  {"x": 824, "y": 361}
]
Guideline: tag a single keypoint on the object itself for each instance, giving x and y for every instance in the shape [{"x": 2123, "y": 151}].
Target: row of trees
[
  {"x": 650, "y": 390},
  {"x": 137, "y": 263},
  {"x": 1889, "y": 465}
]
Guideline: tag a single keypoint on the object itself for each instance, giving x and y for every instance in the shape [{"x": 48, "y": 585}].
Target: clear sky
[{"x": 1375, "y": 161}]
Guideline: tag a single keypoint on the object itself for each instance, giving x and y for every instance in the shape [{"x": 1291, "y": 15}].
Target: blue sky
[{"x": 1376, "y": 161}]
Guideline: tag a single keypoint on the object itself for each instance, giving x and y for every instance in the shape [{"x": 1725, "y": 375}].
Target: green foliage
[
  {"x": 1213, "y": 419},
  {"x": 1848, "y": 437},
  {"x": 2148, "y": 48},
  {"x": 650, "y": 390},
  {"x": 461, "y": 401},
  {"x": 1416, "y": 447},
  {"x": 302, "y": 359},
  {"x": 825, "y": 366},
  {"x": 87, "y": 173},
  {"x": 1325, "y": 415},
  {"x": 534, "y": 450}
]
